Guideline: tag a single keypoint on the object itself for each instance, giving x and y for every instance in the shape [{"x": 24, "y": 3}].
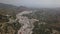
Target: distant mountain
[
  {"x": 10, "y": 9},
  {"x": 2, "y": 5},
  {"x": 22, "y": 8},
  {"x": 7, "y": 9}
]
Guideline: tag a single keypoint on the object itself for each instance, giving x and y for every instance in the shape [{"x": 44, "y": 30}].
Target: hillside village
[{"x": 22, "y": 20}]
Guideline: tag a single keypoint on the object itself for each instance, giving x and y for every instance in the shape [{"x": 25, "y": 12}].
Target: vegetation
[
  {"x": 45, "y": 18},
  {"x": 8, "y": 28}
]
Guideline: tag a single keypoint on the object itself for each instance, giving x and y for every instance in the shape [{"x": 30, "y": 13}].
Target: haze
[{"x": 33, "y": 3}]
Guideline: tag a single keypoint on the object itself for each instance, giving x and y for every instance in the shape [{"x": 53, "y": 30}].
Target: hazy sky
[{"x": 33, "y": 3}]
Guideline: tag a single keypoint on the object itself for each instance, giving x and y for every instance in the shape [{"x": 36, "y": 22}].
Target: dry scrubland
[{"x": 49, "y": 20}]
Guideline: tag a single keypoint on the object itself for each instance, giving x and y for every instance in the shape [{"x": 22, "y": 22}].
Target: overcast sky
[{"x": 33, "y": 3}]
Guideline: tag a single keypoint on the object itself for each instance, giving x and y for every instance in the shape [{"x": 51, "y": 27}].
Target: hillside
[
  {"x": 49, "y": 19},
  {"x": 10, "y": 9},
  {"x": 7, "y": 9}
]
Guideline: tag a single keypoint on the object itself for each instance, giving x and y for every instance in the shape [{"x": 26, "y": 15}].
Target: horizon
[{"x": 33, "y": 3}]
